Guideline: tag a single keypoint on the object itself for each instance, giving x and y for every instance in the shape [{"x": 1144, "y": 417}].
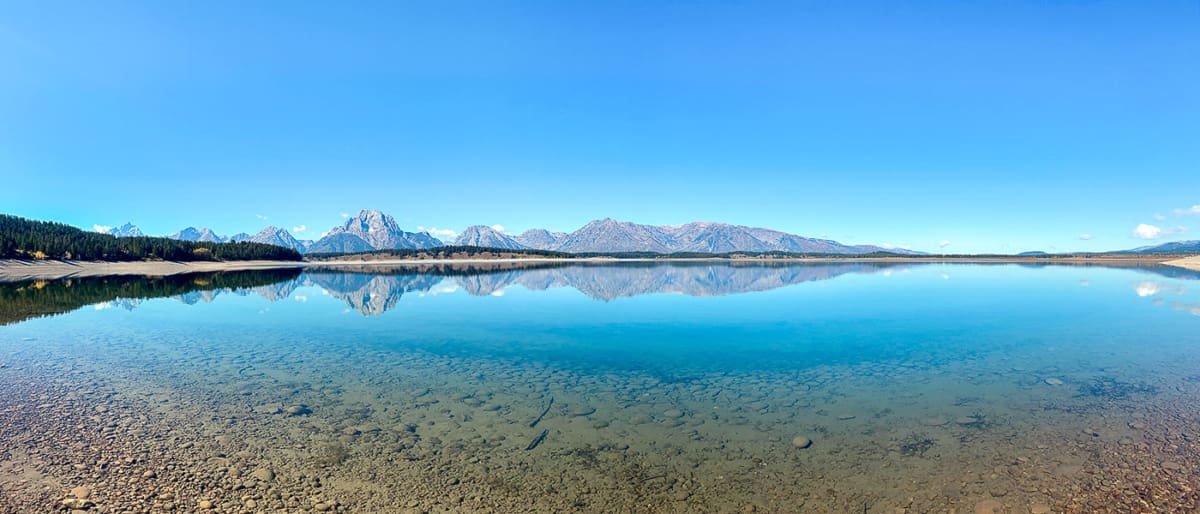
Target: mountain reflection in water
[{"x": 373, "y": 290}]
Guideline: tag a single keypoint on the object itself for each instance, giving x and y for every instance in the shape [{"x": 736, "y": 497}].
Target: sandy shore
[
  {"x": 1192, "y": 263},
  {"x": 15, "y": 270}
]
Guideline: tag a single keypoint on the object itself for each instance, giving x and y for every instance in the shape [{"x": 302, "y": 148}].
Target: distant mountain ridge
[
  {"x": 609, "y": 235},
  {"x": 269, "y": 235},
  {"x": 540, "y": 238},
  {"x": 1173, "y": 247},
  {"x": 372, "y": 230},
  {"x": 192, "y": 234}
]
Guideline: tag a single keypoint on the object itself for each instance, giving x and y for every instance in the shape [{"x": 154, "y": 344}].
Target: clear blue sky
[{"x": 996, "y": 126}]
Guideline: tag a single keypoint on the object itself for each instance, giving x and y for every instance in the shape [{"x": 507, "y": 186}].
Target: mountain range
[
  {"x": 1174, "y": 247},
  {"x": 609, "y": 235},
  {"x": 371, "y": 230},
  {"x": 269, "y": 235}
]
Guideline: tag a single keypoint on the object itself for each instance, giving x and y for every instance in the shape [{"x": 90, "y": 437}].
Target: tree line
[{"x": 22, "y": 238}]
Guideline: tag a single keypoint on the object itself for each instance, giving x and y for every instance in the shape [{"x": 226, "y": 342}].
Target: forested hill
[{"x": 22, "y": 238}]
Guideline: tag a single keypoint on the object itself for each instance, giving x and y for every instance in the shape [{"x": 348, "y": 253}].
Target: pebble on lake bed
[
  {"x": 989, "y": 507},
  {"x": 1054, "y": 381},
  {"x": 801, "y": 442}
]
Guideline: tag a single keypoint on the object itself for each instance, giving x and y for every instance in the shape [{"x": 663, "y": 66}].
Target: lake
[{"x": 630, "y": 387}]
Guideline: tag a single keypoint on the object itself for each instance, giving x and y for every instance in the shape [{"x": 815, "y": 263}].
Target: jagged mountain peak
[
  {"x": 193, "y": 234},
  {"x": 277, "y": 236},
  {"x": 540, "y": 239},
  {"x": 126, "y": 230},
  {"x": 484, "y": 236},
  {"x": 377, "y": 231}
]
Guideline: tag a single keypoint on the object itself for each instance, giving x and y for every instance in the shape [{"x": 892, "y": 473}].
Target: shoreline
[
  {"x": 19, "y": 270},
  {"x": 1192, "y": 263}
]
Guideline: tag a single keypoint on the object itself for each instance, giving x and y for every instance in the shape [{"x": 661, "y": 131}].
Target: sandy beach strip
[
  {"x": 12, "y": 270},
  {"x": 18, "y": 270},
  {"x": 1192, "y": 263}
]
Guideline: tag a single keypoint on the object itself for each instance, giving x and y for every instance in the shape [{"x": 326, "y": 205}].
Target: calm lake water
[{"x": 851, "y": 387}]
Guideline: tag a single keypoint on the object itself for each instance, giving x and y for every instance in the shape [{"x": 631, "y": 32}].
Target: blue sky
[{"x": 983, "y": 126}]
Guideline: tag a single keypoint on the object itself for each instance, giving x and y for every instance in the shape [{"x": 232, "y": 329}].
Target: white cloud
[
  {"x": 498, "y": 292},
  {"x": 887, "y": 246},
  {"x": 260, "y": 216},
  {"x": 301, "y": 298},
  {"x": 300, "y": 228},
  {"x": 1144, "y": 231},
  {"x": 440, "y": 233},
  {"x": 1085, "y": 282},
  {"x": 323, "y": 234},
  {"x": 945, "y": 276},
  {"x": 944, "y": 243},
  {"x": 101, "y": 228},
  {"x": 1085, "y": 237},
  {"x": 345, "y": 215},
  {"x": 498, "y": 228},
  {"x": 1190, "y": 211},
  {"x": 1159, "y": 217}
]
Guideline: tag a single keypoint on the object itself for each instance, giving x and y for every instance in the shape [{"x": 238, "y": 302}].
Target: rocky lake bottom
[{"x": 132, "y": 412}]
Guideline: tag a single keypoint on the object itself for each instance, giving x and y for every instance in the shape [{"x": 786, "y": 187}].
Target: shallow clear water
[{"x": 674, "y": 388}]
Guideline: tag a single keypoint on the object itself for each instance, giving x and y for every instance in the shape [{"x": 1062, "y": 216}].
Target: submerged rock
[
  {"x": 583, "y": 410},
  {"x": 801, "y": 442},
  {"x": 1054, "y": 381},
  {"x": 77, "y": 503},
  {"x": 297, "y": 410}
]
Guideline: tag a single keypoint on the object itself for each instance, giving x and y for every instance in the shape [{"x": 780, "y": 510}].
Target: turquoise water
[{"x": 666, "y": 388}]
